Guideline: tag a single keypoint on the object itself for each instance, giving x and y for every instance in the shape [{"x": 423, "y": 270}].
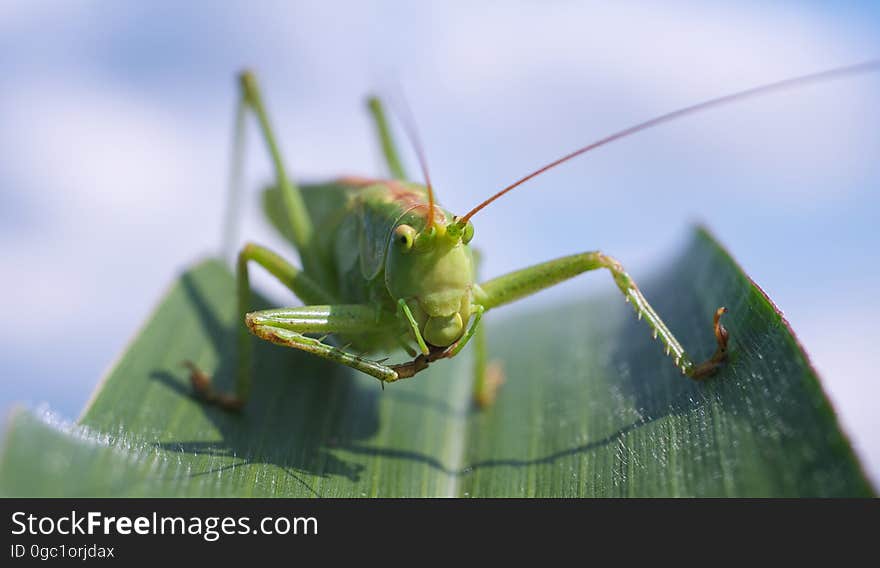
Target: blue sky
[{"x": 117, "y": 115}]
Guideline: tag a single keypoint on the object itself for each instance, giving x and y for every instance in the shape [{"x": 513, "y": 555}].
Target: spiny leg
[
  {"x": 300, "y": 284},
  {"x": 286, "y": 326},
  {"x": 386, "y": 141},
  {"x": 515, "y": 285}
]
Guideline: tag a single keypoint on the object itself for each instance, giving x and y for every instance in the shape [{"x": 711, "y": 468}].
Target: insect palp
[
  {"x": 458, "y": 229},
  {"x": 468, "y": 233}
]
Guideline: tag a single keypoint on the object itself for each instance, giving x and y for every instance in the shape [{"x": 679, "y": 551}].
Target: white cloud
[
  {"x": 112, "y": 182},
  {"x": 802, "y": 142}
]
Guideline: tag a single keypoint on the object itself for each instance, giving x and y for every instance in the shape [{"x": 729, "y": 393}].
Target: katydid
[{"x": 384, "y": 266}]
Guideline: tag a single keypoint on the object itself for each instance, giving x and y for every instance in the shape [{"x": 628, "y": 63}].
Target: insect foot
[
  {"x": 708, "y": 368},
  {"x": 420, "y": 363},
  {"x": 204, "y": 389},
  {"x": 493, "y": 378}
]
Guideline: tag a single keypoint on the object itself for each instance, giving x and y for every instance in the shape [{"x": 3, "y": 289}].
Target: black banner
[{"x": 246, "y": 530}]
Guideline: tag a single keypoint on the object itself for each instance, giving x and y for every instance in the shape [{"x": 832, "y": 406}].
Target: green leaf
[{"x": 591, "y": 407}]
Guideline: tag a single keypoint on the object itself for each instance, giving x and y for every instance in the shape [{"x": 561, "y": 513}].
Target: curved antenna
[
  {"x": 409, "y": 125},
  {"x": 837, "y": 73}
]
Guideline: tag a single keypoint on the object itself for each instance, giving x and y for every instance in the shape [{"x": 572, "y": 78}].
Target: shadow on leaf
[{"x": 310, "y": 404}]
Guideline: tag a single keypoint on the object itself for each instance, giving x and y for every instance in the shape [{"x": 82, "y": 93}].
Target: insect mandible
[{"x": 384, "y": 266}]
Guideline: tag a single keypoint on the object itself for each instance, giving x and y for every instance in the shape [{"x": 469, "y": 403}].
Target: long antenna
[
  {"x": 409, "y": 125},
  {"x": 837, "y": 73}
]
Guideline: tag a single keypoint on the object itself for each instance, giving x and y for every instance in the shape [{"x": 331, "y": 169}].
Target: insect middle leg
[
  {"x": 301, "y": 230},
  {"x": 488, "y": 375},
  {"x": 296, "y": 280},
  {"x": 515, "y": 285}
]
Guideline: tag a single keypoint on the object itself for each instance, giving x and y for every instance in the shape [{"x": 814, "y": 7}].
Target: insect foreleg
[
  {"x": 515, "y": 285},
  {"x": 300, "y": 284},
  {"x": 456, "y": 347},
  {"x": 386, "y": 141},
  {"x": 286, "y": 327},
  {"x": 407, "y": 314},
  {"x": 434, "y": 353}
]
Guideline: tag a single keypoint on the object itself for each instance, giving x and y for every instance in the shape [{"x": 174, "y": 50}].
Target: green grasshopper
[{"x": 384, "y": 266}]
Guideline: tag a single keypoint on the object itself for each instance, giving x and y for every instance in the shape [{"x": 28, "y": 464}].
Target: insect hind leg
[
  {"x": 386, "y": 140},
  {"x": 298, "y": 220}
]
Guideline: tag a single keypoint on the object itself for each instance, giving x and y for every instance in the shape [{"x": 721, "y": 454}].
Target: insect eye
[
  {"x": 404, "y": 235},
  {"x": 468, "y": 233}
]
